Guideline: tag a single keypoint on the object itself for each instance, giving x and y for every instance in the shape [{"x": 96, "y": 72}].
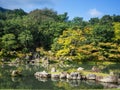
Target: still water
[{"x": 28, "y": 81}]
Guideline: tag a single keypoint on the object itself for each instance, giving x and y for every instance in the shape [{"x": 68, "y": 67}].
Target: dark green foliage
[
  {"x": 106, "y": 19},
  {"x": 26, "y": 39},
  {"x": 116, "y": 18},
  {"x": 8, "y": 41},
  {"x": 21, "y": 31},
  {"x": 93, "y": 21},
  {"x": 102, "y": 33}
]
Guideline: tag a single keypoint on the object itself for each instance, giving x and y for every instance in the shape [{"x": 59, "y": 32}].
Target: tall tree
[
  {"x": 26, "y": 39},
  {"x": 106, "y": 19},
  {"x": 94, "y": 21},
  {"x": 102, "y": 33},
  {"x": 9, "y": 42},
  {"x": 117, "y": 32}
]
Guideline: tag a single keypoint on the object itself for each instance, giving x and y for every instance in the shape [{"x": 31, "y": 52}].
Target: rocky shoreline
[
  {"x": 78, "y": 76},
  {"x": 110, "y": 81}
]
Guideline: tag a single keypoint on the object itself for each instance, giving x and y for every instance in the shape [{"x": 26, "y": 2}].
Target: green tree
[
  {"x": 116, "y": 18},
  {"x": 26, "y": 39},
  {"x": 117, "y": 32},
  {"x": 63, "y": 17},
  {"x": 106, "y": 19},
  {"x": 78, "y": 23},
  {"x": 102, "y": 33},
  {"x": 1, "y": 28},
  {"x": 94, "y": 21},
  {"x": 68, "y": 43},
  {"x": 9, "y": 42}
]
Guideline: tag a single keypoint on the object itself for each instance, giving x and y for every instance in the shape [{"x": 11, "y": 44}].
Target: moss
[
  {"x": 96, "y": 73},
  {"x": 71, "y": 70},
  {"x": 54, "y": 72}
]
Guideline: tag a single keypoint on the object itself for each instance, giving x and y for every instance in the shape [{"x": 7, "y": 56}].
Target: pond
[{"x": 28, "y": 81}]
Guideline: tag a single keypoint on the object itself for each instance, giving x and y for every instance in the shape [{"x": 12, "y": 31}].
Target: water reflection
[
  {"x": 28, "y": 81},
  {"x": 109, "y": 85},
  {"x": 73, "y": 83}
]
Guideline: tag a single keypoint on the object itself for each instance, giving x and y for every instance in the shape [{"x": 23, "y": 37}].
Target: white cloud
[{"x": 94, "y": 13}]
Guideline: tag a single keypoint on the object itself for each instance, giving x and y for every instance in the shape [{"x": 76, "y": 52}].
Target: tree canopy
[{"x": 95, "y": 39}]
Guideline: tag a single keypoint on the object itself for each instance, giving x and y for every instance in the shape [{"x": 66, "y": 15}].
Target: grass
[
  {"x": 98, "y": 74},
  {"x": 105, "y": 67}
]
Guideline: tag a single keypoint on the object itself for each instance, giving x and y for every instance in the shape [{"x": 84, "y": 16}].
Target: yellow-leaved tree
[{"x": 68, "y": 43}]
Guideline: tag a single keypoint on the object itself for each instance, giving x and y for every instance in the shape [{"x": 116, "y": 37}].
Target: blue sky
[{"x": 81, "y": 8}]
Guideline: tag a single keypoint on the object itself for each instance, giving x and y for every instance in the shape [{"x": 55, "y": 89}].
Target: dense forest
[{"x": 47, "y": 32}]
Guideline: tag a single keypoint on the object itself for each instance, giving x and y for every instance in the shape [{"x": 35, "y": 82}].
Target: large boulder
[
  {"x": 68, "y": 76},
  {"x": 118, "y": 80},
  {"x": 108, "y": 79},
  {"x": 42, "y": 74},
  {"x": 75, "y": 75},
  {"x": 63, "y": 75},
  {"x": 91, "y": 76},
  {"x": 55, "y": 75},
  {"x": 83, "y": 77},
  {"x": 79, "y": 77}
]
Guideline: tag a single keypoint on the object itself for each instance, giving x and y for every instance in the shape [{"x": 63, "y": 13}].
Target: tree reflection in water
[{"x": 28, "y": 81}]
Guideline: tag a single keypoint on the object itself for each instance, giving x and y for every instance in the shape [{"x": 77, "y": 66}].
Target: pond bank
[
  {"x": 79, "y": 76},
  {"x": 27, "y": 79},
  {"x": 112, "y": 79}
]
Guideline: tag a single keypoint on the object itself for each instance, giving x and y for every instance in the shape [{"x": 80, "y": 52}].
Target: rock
[
  {"x": 63, "y": 75},
  {"x": 98, "y": 78},
  {"x": 91, "y": 76},
  {"x": 42, "y": 74},
  {"x": 108, "y": 79},
  {"x": 15, "y": 73},
  {"x": 79, "y": 77},
  {"x": 95, "y": 69},
  {"x": 55, "y": 76},
  {"x": 80, "y": 69},
  {"x": 37, "y": 73},
  {"x": 53, "y": 70},
  {"x": 75, "y": 75},
  {"x": 83, "y": 77},
  {"x": 74, "y": 78},
  {"x": 118, "y": 80},
  {"x": 68, "y": 76}
]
